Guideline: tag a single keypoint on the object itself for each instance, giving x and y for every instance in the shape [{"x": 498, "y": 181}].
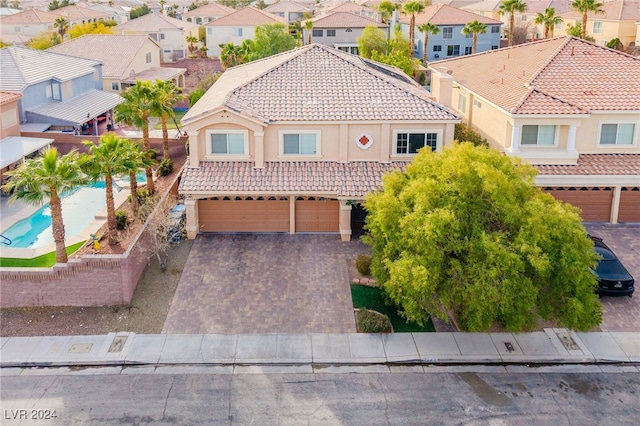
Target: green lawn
[
  {"x": 373, "y": 298},
  {"x": 170, "y": 123},
  {"x": 44, "y": 261}
]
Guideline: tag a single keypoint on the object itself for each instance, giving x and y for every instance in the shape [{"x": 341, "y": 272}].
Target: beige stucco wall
[
  {"x": 9, "y": 120},
  {"x": 623, "y": 30},
  {"x": 217, "y": 35}
]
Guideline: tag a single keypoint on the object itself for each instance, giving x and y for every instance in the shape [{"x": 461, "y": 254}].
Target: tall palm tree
[
  {"x": 549, "y": 19},
  {"x": 46, "y": 177},
  {"x": 584, "y": 7},
  {"x": 308, "y": 25},
  {"x": 411, "y": 8},
  {"x": 476, "y": 27},
  {"x": 427, "y": 28},
  {"x": 386, "y": 9},
  {"x": 135, "y": 110},
  {"x": 62, "y": 25},
  {"x": 167, "y": 95},
  {"x": 192, "y": 40},
  {"x": 138, "y": 160},
  {"x": 511, "y": 7},
  {"x": 231, "y": 55},
  {"x": 106, "y": 160}
]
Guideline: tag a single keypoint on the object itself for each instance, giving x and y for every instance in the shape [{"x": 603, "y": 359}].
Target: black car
[{"x": 613, "y": 278}]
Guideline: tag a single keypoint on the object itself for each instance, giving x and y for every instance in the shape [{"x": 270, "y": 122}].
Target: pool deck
[{"x": 18, "y": 210}]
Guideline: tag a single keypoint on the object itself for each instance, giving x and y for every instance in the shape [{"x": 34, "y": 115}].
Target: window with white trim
[
  {"x": 317, "y": 33},
  {"x": 148, "y": 57},
  {"x": 453, "y": 50},
  {"x": 331, "y": 33},
  {"x": 462, "y": 103},
  {"x": 237, "y": 32},
  {"x": 227, "y": 142},
  {"x": 597, "y": 27},
  {"x": 411, "y": 141},
  {"x": 437, "y": 48},
  {"x": 617, "y": 133},
  {"x": 300, "y": 143},
  {"x": 542, "y": 135},
  {"x": 115, "y": 86},
  {"x": 161, "y": 36},
  {"x": 468, "y": 50},
  {"x": 495, "y": 29},
  {"x": 447, "y": 33}
]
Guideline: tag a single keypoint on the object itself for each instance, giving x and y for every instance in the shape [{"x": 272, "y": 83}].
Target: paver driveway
[
  {"x": 621, "y": 313},
  {"x": 265, "y": 283}
]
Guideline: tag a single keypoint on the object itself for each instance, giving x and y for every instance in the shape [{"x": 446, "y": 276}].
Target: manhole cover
[
  {"x": 80, "y": 348},
  {"x": 567, "y": 341},
  {"x": 117, "y": 344}
]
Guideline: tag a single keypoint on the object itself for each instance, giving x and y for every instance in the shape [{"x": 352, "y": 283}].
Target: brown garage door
[
  {"x": 244, "y": 214},
  {"x": 629, "y": 205},
  {"x": 317, "y": 214},
  {"x": 595, "y": 203}
]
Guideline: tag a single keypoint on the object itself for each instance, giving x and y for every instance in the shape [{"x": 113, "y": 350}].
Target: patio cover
[
  {"x": 80, "y": 109},
  {"x": 14, "y": 148}
]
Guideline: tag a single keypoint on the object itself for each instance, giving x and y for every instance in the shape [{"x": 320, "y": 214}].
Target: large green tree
[
  {"x": 45, "y": 178},
  {"x": 372, "y": 39},
  {"x": 465, "y": 232},
  {"x": 584, "y": 7},
  {"x": 269, "y": 40},
  {"x": 138, "y": 106},
  {"x": 474, "y": 28},
  {"x": 427, "y": 29},
  {"x": 510, "y": 7},
  {"x": 109, "y": 158},
  {"x": 549, "y": 20},
  {"x": 411, "y": 8}
]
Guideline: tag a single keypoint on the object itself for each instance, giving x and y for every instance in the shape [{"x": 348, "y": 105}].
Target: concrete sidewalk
[{"x": 309, "y": 351}]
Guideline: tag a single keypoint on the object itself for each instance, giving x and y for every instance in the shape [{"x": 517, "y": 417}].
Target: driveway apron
[{"x": 265, "y": 283}]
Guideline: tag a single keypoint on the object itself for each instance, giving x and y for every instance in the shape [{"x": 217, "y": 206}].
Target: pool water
[{"x": 79, "y": 208}]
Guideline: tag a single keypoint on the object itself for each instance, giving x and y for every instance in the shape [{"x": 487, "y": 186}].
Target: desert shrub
[
  {"x": 373, "y": 322},
  {"x": 122, "y": 219},
  {"x": 143, "y": 194},
  {"x": 166, "y": 167},
  {"x": 363, "y": 264}
]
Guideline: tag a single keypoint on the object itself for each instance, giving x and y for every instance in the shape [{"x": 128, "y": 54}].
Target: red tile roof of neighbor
[
  {"x": 345, "y": 20},
  {"x": 249, "y": 16},
  {"x": 6, "y": 97},
  {"x": 597, "y": 164},
  {"x": 355, "y": 179}
]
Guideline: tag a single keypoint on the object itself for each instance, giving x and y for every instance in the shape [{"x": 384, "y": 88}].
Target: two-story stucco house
[
  {"x": 340, "y": 30},
  {"x": 170, "y": 33},
  {"x": 290, "y": 11},
  {"x": 450, "y": 41},
  {"x": 236, "y": 27},
  {"x": 59, "y": 92},
  {"x": 27, "y": 23},
  {"x": 292, "y": 142},
  {"x": 125, "y": 59},
  {"x": 207, "y": 13},
  {"x": 567, "y": 106}
]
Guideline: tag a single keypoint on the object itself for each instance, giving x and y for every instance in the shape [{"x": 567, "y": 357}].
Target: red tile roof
[
  {"x": 597, "y": 164},
  {"x": 345, "y": 20},
  {"x": 6, "y": 97},
  {"x": 355, "y": 179},
  {"x": 249, "y": 16}
]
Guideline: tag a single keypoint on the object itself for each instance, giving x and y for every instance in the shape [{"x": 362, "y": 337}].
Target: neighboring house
[
  {"x": 290, "y": 10},
  {"x": 292, "y": 142},
  {"x": 28, "y": 23},
  {"x": 340, "y": 30},
  {"x": 59, "y": 92},
  {"x": 15, "y": 39},
  {"x": 170, "y": 33},
  {"x": 4, "y": 11},
  {"x": 326, "y": 8},
  {"x": 450, "y": 41},
  {"x": 119, "y": 15},
  {"x": 236, "y": 27},
  {"x": 527, "y": 19},
  {"x": 207, "y": 13},
  {"x": 82, "y": 15},
  {"x": 125, "y": 59},
  {"x": 568, "y": 106},
  {"x": 618, "y": 21},
  {"x": 14, "y": 147}
]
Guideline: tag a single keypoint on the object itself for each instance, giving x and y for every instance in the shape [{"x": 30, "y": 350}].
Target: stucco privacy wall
[{"x": 93, "y": 280}]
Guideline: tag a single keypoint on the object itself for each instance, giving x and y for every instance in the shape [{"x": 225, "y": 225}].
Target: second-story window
[
  {"x": 331, "y": 33},
  {"x": 597, "y": 27},
  {"x": 495, "y": 29},
  {"x": 237, "y": 32},
  {"x": 148, "y": 57},
  {"x": 227, "y": 142},
  {"x": 317, "y": 33},
  {"x": 447, "y": 32},
  {"x": 411, "y": 142},
  {"x": 539, "y": 135},
  {"x": 300, "y": 143}
]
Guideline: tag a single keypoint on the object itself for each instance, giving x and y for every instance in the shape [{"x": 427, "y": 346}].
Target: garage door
[
  {"x": 317, "y": 214},
  {"x": 629, "y": 210},
  {"x": 244, "y": 214},
  {"x": 595, "y": 203}
]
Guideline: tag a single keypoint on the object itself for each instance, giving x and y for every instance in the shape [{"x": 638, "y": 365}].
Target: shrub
[
  {"x": 373, "y": 322},
  {"x": 422, "y": 77},
  {"x": 363, "y": 264},
  {"x": 143, "y": 194},
  {"x": 122, "y": 219},
  {"x": 464, "y": 133},
  {"x": 166, "y": 167}
]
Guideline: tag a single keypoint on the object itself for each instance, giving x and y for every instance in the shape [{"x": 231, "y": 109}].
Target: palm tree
[
  {"x": 106, "y": 160},
  {"x": 138, "y": 160},
  {"x": 511, "y": 7},
  {"x": 136, "y": 110},
  {"x": 231, "y": 55},
  {"x": 427, "y": 28},
  {"x": 192, "y": 40},
  {"x": 308, "y": 25},
  {"x": 584, "y": 7},
  {"x": 386, "y": 9},
  {"x": 412, "y": 8},
  {"x": 549, "y": 20},
  {"x": 167, "y": 95},
  {"x": 62, "y": 25},
  {"x": 476, "y": 27},
  {"x": 46, "y": 177}
]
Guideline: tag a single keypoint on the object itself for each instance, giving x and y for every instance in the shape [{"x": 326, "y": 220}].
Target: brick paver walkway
[
  {"x": 265, "y": 283},
  {"x": 621, "y": 313}
]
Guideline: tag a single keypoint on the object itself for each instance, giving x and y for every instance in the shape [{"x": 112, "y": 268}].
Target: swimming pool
[{"x": 79, "y": 208}]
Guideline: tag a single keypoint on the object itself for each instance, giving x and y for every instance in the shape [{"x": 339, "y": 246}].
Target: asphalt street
[{"x": 197, "y": 395}]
